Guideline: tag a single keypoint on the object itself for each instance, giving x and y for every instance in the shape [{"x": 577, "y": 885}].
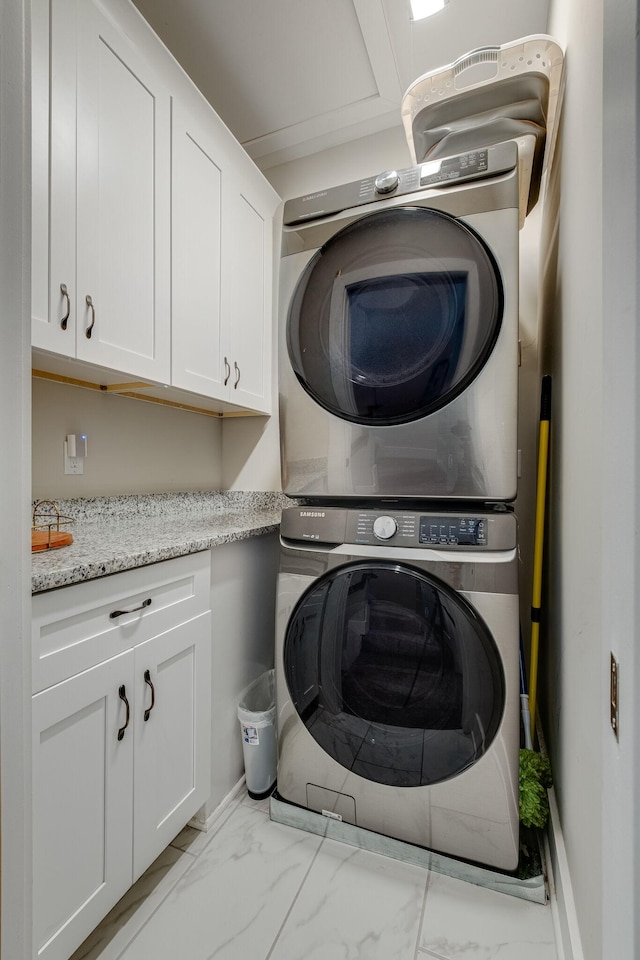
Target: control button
[
  {"x": 384, "y": 527},
  {"x": 387, "y": 181}
]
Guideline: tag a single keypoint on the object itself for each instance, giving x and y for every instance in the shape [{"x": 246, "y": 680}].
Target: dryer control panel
[
  {"x": 477, "y": 164},
  {"x": 411, "y": 529}
]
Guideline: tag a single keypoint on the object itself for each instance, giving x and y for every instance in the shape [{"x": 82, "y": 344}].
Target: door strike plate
[{"x": 614, "y": 702}]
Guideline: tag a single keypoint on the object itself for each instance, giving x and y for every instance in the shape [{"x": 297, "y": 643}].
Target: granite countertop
[{"x": 111, "y": 534}]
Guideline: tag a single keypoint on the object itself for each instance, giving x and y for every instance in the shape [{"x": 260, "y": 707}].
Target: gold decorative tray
[{"x": 45, "y": 527}]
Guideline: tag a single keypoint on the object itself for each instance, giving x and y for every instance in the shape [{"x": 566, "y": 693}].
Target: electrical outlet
[{"x": 73, "y": 466}]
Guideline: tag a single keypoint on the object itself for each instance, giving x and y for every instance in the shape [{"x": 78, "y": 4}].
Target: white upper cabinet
[
  {"x": 152, "y": 229},
  {"x": 222, "y": 264},
  {"x": 53, "y": 273},
  {"x": 101, "y": 215},
  {"x": 247, "y": 272},
  {"x": 199, "y": 342},
  {"x": 123, "y": 203}
]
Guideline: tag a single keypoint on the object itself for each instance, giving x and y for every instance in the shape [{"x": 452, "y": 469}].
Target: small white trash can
[{"x": 257, "y": 716}]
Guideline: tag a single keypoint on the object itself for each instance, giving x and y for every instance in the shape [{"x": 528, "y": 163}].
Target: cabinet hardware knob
[
  {"x": 121, "y": 613},
  {"x": 237, "y": 369},
  {"x": 227, "y": 371},
  {"x": 65, "y": 294},
  {"x": 89, "y": 329},
  {"x": 123, "y": 696},
  {"x": 147, "y": 680}
]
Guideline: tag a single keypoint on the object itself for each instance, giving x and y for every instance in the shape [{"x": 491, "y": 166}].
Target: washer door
[
  {"x": 394, "y": 316},
  {"x": 394, "y": 674}
]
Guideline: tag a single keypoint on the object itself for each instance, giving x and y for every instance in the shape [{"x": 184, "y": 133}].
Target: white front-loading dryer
[
  {"x": 397, "y": 678},
  {"x": 399, "y": 334}
]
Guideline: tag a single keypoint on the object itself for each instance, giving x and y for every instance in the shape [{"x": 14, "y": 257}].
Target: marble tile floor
[{"x": 252, "y": 889}]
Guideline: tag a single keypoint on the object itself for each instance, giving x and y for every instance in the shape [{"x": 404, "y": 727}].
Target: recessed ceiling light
[{"x": 426, "y": 8}]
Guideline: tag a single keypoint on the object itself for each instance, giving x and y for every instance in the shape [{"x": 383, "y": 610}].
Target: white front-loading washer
[
  {"x": 397, "y": 678},
  {"x": 399, "y": 334}
]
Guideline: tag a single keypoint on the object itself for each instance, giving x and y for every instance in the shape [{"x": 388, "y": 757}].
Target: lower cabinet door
[
  {"x": 172, "y": 735},
  {"x": 82, "y": 818}
]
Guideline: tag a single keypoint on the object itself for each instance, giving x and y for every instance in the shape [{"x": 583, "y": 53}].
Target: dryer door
[
  {"x": 394, "y": 674},
  {"x": 394, "y": 316}
]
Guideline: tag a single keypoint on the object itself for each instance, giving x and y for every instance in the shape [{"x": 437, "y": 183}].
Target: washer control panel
[
  {"x": 368, "y": 526},
  {"x": 453, "y": 531},
  {"x": 410, "y": 529},
  {"x": 488, "y": 162},
  {"x": 387, "y": 181},
  {"x": 384, "y": 527},
  {"x": 417, "y": 529}
]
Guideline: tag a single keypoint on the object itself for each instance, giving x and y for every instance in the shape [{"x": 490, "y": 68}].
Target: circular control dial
[
  {"x": 384, "y": 527},
  {"x": 387, "y": 181}
]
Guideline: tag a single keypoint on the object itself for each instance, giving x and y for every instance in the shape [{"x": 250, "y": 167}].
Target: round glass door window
[
  {"x": 394, "y": 316},
  {"x": 394, "y": 674}
]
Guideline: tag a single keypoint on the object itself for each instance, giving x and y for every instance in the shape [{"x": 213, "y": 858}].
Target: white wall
[
  {"x": 572, "y": 249},
  {"x": 620, "y": 534},
  {"x": 15, "y": 485},
  {"x": 134, "y": 447},
  {"x": 590, "y": 300},
  {"x": 251, "y": 453},
  {"x": 349, "y": 161},
  {"x": 243, "y": 599}
]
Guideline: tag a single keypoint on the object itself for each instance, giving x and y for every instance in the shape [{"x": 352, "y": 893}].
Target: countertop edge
[
  {"x": 101, "y": 549},
  {"x": 93, "y": 571}
]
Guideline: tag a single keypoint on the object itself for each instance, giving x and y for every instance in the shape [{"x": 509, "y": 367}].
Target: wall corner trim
[{"x": 565, "y": 917}]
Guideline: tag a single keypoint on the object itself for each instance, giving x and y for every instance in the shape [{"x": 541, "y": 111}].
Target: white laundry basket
[{"x": 257, "y": 716}]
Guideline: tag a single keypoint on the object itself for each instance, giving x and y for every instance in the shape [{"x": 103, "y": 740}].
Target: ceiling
[{"x": 291, "y": 77}]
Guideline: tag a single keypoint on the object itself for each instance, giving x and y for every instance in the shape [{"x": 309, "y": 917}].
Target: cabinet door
[
  {"x": 172, "y": 735},
  {"x": 248, "y": 279},
  {"x": 82, "y": 818},
  {"x": 53, "y": 126},
  {"x": 198, "y": 342},
  {"x": 123, "y": 203}
]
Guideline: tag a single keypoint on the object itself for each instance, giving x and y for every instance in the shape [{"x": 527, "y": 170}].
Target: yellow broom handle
[{"x": 536, "y": 593}]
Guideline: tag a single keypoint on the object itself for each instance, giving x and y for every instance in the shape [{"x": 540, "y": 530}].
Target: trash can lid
[{"x": 257, "y": 703}]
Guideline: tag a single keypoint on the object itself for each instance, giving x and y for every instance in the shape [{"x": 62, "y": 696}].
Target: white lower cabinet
[
  {"x": 121, "y": 750},
  {"x": 82, "y": 809},
  {"x": 171, "y": 743}
]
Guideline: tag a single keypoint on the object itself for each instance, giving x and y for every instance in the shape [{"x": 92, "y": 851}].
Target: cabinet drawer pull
[
  {"x": 227, "y": 371},
  {"x": 237, "y": 369},
  {"x": 65, "y": 294},
  {"x": 147, "y": 680},
  {"x": 121, "y": 613},
  {"x": 123, "y": 696},
  {"x": 89, "y": 329}
]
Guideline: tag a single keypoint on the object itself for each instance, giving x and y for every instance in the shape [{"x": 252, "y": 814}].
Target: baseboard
[
  {"x": 206, "y": 823},
  {"x": 565, "y": 917}
]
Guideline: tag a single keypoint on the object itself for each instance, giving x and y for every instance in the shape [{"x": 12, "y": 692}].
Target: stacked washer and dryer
[{"x": 397, "y": 639}]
